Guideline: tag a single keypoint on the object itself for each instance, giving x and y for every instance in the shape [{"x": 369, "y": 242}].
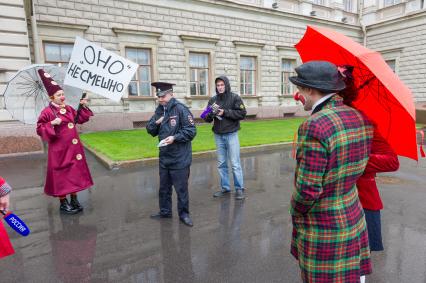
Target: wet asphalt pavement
[{"x": 114, "y": 240}]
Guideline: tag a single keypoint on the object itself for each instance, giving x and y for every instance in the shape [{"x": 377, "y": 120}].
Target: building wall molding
[
  {"x": 188, "y": 37},
  {"x": 251, "y": 44},
  {"x": 136, "y": 32},
  {"x": 62, "y": 25}
]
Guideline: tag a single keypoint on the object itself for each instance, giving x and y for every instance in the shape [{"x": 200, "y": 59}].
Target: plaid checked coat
[{"x": 330, "y": 239}]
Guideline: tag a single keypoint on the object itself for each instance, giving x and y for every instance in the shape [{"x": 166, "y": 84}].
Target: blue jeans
[{"x": 228, "y": 147}]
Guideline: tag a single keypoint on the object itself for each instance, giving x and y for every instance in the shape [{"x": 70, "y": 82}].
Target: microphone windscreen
[{"x": 17, "y": 224}]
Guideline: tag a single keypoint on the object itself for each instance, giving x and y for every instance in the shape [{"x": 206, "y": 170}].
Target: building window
[
  {"x": 140, "y": 85},
  {"x": 287, "y": 70},
  {"x": 199, "y": 73},
  {"x": 391, "y": 2},
  {"x": 57, "y": 53},
  {"x": 392, "y": 64},
  {"x": 348, "y": 5},
  {"x": 247, "y": 75},
  {"x": 319, "y": 2}
]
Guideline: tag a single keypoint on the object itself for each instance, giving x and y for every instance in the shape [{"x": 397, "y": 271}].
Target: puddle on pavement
[{"x": 388, "y": 180}]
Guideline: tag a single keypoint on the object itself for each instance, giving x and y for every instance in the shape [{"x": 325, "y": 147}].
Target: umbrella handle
[{"x": 365, "y": 83}]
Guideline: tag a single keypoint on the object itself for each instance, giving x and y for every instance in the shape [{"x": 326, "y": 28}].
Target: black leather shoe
[
  {"x": 187, "y": 221},
  {"x": 76, "y": 204},
  {"x": 66, "y": 208},
  {"x": 239, "y": 195},
  {"x": 221, "y": 193},
  {"x": 159, "y": 215}
]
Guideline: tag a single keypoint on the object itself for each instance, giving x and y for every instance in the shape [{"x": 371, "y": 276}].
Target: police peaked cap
[{"x": 162, "y": 88}]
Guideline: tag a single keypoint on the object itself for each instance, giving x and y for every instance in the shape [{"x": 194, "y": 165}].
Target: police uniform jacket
[{"x": 178, "y": 122}]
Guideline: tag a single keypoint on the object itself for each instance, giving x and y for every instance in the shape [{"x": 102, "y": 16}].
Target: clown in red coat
[
  {"x": 67, "y": 170},
  {"x": 382, "y": 159}
]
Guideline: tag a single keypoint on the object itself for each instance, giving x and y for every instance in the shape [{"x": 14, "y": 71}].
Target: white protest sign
[{"x": 98, "y": 70}]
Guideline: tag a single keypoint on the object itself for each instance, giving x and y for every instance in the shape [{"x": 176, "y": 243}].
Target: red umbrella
[{"x": 382, "y": 96}]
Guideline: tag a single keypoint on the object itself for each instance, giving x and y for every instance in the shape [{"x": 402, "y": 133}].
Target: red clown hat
[{"x": 49, "y": 84}]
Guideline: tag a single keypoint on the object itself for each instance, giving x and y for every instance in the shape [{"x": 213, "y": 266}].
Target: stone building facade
[
  {"x": 401, "y": 41},
  {"x": 191, "y": 42}
]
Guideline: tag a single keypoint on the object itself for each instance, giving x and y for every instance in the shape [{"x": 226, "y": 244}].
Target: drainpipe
[
  {"x": 36, "y": 43},
  {"x": 363, "y": 28}
]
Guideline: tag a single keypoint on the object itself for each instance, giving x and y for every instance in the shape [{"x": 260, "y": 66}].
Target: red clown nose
[{"x": 299, "y": 97}]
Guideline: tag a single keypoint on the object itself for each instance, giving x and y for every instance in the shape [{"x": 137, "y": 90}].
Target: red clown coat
[
  {"x": 382, "y": 159},
  {"x": 6, "y": 248},
  {"x": 67, "y": 170}
]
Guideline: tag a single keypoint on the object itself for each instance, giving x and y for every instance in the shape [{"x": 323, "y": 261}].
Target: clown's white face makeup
[{"x": 58, "y": 98}]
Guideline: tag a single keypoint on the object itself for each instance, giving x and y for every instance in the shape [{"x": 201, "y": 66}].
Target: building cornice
[
  {"x": 391, "y": 50},
  {"x": 286, "y": 47},
  {"x": 211, "y": 39},
  {"x": 248, "y": 43},
  {"x": 137, "y": 32},
  {"x": 62, "y": 25}
]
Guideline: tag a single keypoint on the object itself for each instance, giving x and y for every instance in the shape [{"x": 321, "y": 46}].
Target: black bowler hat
[
  {"x": 163, "y": 88},
  {"x": 320, "y": 75}
]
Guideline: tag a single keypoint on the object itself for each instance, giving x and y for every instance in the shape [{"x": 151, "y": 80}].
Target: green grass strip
[{"x": 138, "y": 144}]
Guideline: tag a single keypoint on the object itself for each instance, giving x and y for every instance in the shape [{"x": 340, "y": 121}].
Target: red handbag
[{"x": 6, "y": 248}]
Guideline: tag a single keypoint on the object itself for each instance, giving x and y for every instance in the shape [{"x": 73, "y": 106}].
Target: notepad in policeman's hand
[{"x": 162, "y": 143}]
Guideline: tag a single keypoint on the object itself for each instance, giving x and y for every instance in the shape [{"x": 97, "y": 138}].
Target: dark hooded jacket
[{"x": 233, "y": 106}]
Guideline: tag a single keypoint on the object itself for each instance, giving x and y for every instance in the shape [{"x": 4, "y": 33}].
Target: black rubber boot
[
  {"x": 75, "y": 203},
  {"x": 66, "y": 208}
]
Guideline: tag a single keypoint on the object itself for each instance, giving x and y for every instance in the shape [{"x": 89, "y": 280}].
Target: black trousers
[{"x": 177, "y": 178}]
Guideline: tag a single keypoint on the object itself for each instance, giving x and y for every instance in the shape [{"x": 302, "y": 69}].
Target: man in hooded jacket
[{"x": 229, "y": 110}]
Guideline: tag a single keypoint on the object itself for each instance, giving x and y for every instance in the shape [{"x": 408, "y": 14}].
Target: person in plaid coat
[{"x": 330, "y": 238}]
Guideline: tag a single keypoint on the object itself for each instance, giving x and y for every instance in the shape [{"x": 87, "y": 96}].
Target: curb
[
  {"x": 111, "y": 164},
  {"x": 25, "y": 154}
]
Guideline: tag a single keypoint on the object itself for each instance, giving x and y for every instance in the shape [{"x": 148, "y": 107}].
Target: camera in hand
[{"x": 215, "y": 110}]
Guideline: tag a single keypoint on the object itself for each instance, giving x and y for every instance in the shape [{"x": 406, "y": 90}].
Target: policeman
[{"x": 174, "y": 125}]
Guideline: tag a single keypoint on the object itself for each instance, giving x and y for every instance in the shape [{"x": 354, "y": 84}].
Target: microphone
[
  {"x": 79, "y": 108},
  {"x": 16, "y": 223},
  {"x": 214, "y": 108},
  {"x": 206, "y": 112}
]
